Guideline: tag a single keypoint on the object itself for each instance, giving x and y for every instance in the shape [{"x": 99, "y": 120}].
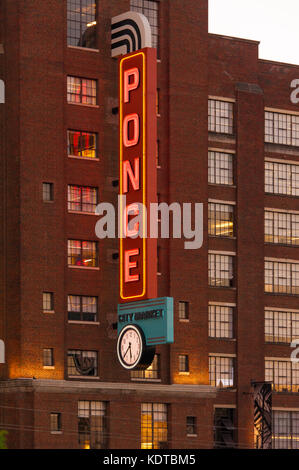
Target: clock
[{"x": 132, "y": 351}]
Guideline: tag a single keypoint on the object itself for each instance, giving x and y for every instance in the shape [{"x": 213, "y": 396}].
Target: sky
[{"x": 275, "y": 23}]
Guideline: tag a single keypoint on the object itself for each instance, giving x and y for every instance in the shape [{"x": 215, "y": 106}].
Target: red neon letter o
[{"x": 134, "y": 141}]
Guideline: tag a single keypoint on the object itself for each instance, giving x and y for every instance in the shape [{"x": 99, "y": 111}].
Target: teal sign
[{"x": 154, "y": 317}]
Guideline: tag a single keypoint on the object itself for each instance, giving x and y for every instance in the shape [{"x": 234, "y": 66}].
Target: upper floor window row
[
  {"x": 220, "y": 116},
  {"x": 81, "y": 23},
  {"x": 282, "y": 178},
  {"x": 281, "y": 227},
  {"x": 81, "y": 91},
  {"x": 281, "y": 128},
  {"x": 282, "y": 277}
]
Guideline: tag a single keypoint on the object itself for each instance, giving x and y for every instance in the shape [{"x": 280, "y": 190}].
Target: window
[
  {"x": 281, "y": 278},
  {"x": 281, "y": 128},
  {"x": 150, "y": 9},
  {"x": 282, "y": 178},
  {"x": 224, "y": 428},
  {"x": 81, "y": 90},
  {"x": 92, "y": 424},
  {"x": 191, "y": 426},
  {"x": 284, "y": 374},
  {"x": 221, "y": 168},
  {"x": 81, "y": 23},
  {"x": 281, "y": 327},
  {"x": 48, "y": 301},
  {"x": 221, "y": 220},
  {"x": 82, "y": 144},
  {"x": 221, "y": 371},
  {"x": 220, "y": 321},
  {"x": 152, "y": 372},
  {"x": 82, "y": 363},
  {"x": 220, "y": 270},
  {"x": 55, "y": 422},
  {"x": 82, "y": 253},
  {"x": 153, "y": 426},
  {"x": 48, "y": 192},
  {"x": 183, "y": 363},
  {"x": 48, "y": 358},
  {"x": 281, "y": 227},
  {"x": 82, "y": 308},
  {"x": 285, "y": 429},
  {"x": 82, "y": 199},
  {"x": 183, "y": 310},
  {"x": 220, "y": 116}
]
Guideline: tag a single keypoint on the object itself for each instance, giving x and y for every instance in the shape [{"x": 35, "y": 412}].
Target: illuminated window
[
  {"x": 55, "y": 422},
  {"x": 81, "y": 90},
  {"x": 221, "y": 371},
  {"x": 221, "y": 220},
  {"x": 281, "y": 227},
  {"x": 82, "y": 363},
  {"x": 183, "y": 363},
  {"x": 153, "y": 426},
  {"x": 82, "y": 253},
  {"x": 191, "y": 428},
  {"x": 221, "y": 168},
  {"x": 183, "y": 310},
  {"x": 150, "y": 9},
  {"x": 224, "y": 428},
  {"x": 282, "y": 178},
  {"x": 284, "y": 374},
  {"x": 221, "y": 270},
  {"x": 281, "y": 327},
  {"x": 285, "y": 429},
  {"x": 48, "y": 357},
  {"x": 82, "y": 308},
  {"x": 92, "y": 424},
  {"x": 220, "y": 321},
  {"x": 81, "y": 23},
  {"x": 48, "y": 192},
  {"x": 281, "y": 278},
  {"x": 48, "y": 301},
  {"x": 281, "y": 128},
  {"x": 82, "y": 144},
  {"x": 152, "y": 372},
  {"x": 220, "y": 116},
  {"x": 82, "y": 198}
]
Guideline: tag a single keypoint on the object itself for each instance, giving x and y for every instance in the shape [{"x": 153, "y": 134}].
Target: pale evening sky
[{"x": 275, "y": 23}]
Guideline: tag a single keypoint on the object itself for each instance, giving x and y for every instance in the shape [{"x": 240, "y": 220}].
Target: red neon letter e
[
  {"x": 134, "y": 141},
  {"x": 130, "y": 265},
  {"x": 130, "y": 86}
]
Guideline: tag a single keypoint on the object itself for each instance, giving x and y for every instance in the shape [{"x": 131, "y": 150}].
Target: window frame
[
  {"x": 218, "y": 123},
  {"x": 74, "y": 82},
  {"x": 93, "y": 19}
]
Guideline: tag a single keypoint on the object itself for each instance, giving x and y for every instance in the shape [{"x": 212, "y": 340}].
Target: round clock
[{"x": 132, "y": 351}]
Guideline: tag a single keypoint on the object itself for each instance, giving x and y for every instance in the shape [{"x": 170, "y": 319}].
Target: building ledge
[{"x": 65, "y": 386}]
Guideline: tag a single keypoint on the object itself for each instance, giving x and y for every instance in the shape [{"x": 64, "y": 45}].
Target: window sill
[
  {"x": 223, "y": 237},
  {"x": 184, "y": 320},
  {"x": 84, "y": 158},
  {"x": 79, "y": 322},
  {"x": 48, "y": 311},
  {"x": 84, "y": 104},
  {"x": 56, "y": 432},
  {"x": 222, "y": 339},
  {"x": 184, "y": 373},
  {"x": 91, "y": 268},
  {"x": 223, "y": 185},
  {"x": 282, "y": 195},
  {"x": 82, "y": 377},
  {"x": 89, "y": 49},
  {"x": 145, "y": 380},
  {"x": 287, "y": 245},
  {"x": 288, "y": 294},
  {"x": 223, "y": 287},
  {"x": 48, "y": 202},
  {"x": 49, "y": 367},
  {"x": 82, "y": 213},
  {"x": 191, "y": 435}
]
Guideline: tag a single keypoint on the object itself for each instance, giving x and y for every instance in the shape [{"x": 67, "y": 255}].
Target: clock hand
[{"x": 129, "y": 348}]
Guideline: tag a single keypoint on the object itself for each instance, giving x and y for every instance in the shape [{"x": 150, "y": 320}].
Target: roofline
[
  {"x": 279, "y": 63},
  {"x": 232, "y": 38}
]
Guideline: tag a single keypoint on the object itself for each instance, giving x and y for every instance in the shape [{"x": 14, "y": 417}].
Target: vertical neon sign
[{"x": 138, "y": 181}]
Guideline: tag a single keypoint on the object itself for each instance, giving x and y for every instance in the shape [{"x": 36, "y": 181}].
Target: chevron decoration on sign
[{"x": 130, "y": 32}]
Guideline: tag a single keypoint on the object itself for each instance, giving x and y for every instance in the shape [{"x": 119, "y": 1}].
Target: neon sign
[{"x": 138, "y": 140}]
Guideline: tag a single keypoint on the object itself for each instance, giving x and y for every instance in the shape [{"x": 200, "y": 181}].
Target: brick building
[{"x": 228, "y": 136}]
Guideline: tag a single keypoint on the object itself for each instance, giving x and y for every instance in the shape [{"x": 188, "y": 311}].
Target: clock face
[{"x": 130, "y": 346}]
